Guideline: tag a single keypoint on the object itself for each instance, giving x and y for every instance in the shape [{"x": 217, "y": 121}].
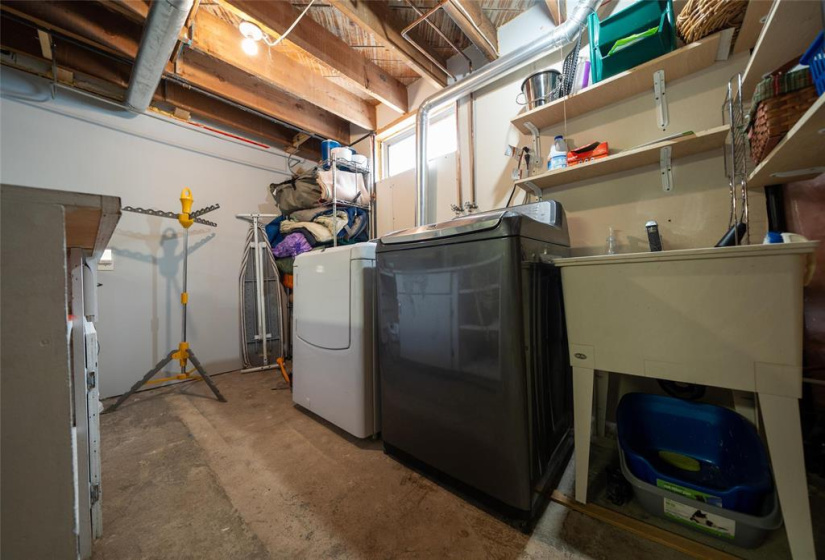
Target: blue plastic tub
[
  {"x": 701, "y": 451},
  {"x": 814, "y": 58}
]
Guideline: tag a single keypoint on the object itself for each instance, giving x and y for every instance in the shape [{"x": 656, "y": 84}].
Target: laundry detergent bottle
[{"x": 558, "y": 154}]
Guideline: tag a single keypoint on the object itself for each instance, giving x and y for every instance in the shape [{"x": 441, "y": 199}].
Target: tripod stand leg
[
  {"x": 151, "y": 373},
  {"x": 205, "y": 376}
]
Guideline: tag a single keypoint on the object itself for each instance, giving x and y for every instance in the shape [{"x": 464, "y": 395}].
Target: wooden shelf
[
  {"x": 789, "y": 30},
  {"x": 751, "y": 26},
  {"x": 802, "y": 151},
  {"x": 90, "y": 219},
  {"x": 676, "y": 64},
  {"x": 629, "y": 159}
]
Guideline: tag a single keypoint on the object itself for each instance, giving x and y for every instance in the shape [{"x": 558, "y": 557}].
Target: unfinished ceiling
[{"x": 332, "y": 70}]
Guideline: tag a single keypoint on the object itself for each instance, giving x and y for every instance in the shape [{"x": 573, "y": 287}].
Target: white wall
[{"x": 75, "y": 144}]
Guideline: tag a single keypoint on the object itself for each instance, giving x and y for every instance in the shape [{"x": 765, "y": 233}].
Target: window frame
[{"x": 403, "y": 130}]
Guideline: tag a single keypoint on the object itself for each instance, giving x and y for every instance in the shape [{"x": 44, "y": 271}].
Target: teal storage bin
[{"x": 640, "y": 17}]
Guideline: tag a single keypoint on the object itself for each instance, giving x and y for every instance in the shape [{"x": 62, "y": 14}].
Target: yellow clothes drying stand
[{"x": 183, "y": 353}]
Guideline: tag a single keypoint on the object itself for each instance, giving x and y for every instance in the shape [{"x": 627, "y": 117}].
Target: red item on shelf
[{"x": 596, "y": 150}]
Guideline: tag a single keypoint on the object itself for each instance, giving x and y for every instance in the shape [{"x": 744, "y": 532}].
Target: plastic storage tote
[
  {"x": 748, "y": 531},
  {"x": 640, "y": 18},
  {"x": 701, "y": 451},
  {"x": 814, "y": 57}
]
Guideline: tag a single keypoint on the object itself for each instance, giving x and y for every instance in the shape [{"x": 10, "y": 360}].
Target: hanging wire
[{"x": 289, "y": 29}]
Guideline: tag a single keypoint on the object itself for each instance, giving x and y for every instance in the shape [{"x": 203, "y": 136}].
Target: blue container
[
  {"x": 326, "y": 151},
  {"x": 701, "y": 451},
  {"x": 814, "y": 58}
]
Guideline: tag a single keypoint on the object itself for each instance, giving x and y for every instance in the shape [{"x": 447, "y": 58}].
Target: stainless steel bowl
[{"x": 540, "y": 88}]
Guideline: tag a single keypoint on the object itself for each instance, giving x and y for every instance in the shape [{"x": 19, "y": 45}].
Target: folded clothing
[
  {"x": 321, "y": 233},
  {"x": 334, "y": 225}
]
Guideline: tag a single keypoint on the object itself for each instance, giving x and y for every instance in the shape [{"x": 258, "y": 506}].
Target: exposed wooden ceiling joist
[
  {"x": 378, "y": 19},
  {"x": 220, "y": 79},
  {"x": 467, "y": 14},
  {"x": 317, "y": 41},
  {"x": 557, "y": 10},
  {"x": 219, "y": 39},
  {"x": 227, "y": 81},
  {"x": 83, "y": 68},
  {"x": 234, "y": 118},
  {"x": 136, "y": 10},
  {"x": 81, "y": 21}
]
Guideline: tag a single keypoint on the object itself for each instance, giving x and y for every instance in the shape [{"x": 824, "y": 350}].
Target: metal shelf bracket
[
  {"x": 666, "y": 168},
  {"x": 660, "y": 96}
]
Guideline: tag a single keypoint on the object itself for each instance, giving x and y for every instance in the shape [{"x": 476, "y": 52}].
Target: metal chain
[
  {"x": 150, "y": 212},
  {"x": 162, "y": 214},
  {"x": 203, "y": 211}
]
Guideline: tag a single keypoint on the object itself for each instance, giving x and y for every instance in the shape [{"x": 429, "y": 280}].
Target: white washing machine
[{"x": 332, "y": 356}]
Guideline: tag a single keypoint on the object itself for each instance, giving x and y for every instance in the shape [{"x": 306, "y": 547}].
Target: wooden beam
[
  {"x": 198, "y": 69},
  {"x": 377, "y": 18},
  {"x": 122, "y": 37},
  {"x": 556, "y": 8},
  {"x": 136, "y": 10},
  {"x": 45, "y": 44},
  {"x": 222, "y": 40},
  {"x": 91, "y": 71},
  {"x": 237, "y": 119},
  {"x": 316, "y": 41},
  {"x": 469, "y": 17},
  {"x": 82, "y": 21},
  {"x": 220, "y": 78}
]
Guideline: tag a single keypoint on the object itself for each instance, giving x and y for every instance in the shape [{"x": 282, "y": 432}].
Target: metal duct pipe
[
  {"x": 560, "y": 36},
  {"x": 163, "y": 25}
]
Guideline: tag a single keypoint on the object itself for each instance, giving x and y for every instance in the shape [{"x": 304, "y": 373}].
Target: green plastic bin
[{"x": 640, "y": 17}]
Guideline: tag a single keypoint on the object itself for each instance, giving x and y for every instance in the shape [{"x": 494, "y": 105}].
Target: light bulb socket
[{"x": 250, "y": 31}]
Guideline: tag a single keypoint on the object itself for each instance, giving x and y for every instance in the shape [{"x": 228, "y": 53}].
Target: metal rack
[
  {"x": 736, "y": 158},
  {"x": 369, "y": 179}
]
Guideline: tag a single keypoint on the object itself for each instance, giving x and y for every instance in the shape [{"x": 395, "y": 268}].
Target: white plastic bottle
[{"x": 558, "y": 154}]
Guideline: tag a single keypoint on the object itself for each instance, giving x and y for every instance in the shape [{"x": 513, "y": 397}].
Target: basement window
[{"x": 398, "y": 150}]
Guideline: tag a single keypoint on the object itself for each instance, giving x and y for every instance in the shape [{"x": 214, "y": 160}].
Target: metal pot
[{"x": 539, "y": 88}]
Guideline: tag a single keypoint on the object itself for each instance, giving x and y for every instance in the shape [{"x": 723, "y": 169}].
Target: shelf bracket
[
  {"x": 531, "y": 186},
  {"x": 537, "y": 155},
  {"x": 666, "y": 168},
  {"x": 660, "y": 96}
]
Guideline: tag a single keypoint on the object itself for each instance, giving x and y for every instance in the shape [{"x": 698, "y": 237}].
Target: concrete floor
[{"x": 185, "y": 476}]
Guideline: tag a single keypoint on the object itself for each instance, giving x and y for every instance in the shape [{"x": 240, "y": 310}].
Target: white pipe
[
  {"x": 163, "y": 25},
  {"x": 560, "y": 36}
]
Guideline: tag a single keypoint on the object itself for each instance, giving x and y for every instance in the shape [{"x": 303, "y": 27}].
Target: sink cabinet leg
[
  {"x": 602, "y": 384},
  {"x": 582, "y": 410},
  {"x": 780, "y": 416}
]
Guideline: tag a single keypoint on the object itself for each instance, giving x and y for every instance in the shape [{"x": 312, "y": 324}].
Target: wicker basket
[
  {"x": 700, "y": 18},
  {"x": 774, "y": 117}
]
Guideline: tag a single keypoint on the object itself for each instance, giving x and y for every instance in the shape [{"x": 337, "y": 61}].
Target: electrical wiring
[{"x": 274, "y": 43}]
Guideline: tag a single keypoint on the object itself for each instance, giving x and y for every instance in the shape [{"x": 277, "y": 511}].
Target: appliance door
[
  {"x": 451, "y": 357},
  {"x": 322, "y": 299},
  {"x": 550, "y": 386}
]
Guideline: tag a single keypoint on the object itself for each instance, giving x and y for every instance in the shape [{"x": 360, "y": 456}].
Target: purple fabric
[{"x": 293, "y": 245}]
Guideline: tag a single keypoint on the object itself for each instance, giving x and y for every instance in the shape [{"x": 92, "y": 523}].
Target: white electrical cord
[{"x": 291, "y": 27}]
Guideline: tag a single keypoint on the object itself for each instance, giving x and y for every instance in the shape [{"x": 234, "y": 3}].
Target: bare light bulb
[{"x": 249, "y": 46}]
